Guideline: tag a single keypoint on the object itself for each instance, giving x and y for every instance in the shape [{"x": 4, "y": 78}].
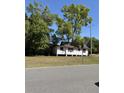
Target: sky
[{"x": 55, "y": 7}]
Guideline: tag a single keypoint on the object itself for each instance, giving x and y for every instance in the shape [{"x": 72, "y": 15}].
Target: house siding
[{"x": 67, "y": 52}]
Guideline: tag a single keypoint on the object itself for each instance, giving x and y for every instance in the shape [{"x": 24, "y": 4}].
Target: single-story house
[{"x": 70, "y": 50}]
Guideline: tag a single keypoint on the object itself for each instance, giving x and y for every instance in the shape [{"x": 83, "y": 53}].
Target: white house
[{"x": 70, "y": 50}]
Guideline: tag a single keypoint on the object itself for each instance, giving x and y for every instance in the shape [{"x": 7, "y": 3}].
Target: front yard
[{"x": 44, "y": 61}]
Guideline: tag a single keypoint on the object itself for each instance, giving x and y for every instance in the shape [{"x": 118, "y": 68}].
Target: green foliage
[
  {"x": 77, "y": 15},
  {"x": 64, "y": 29},
  {"x": 38, "y": 33},
  {"x": 95, "y": 44},
  {"x": 37, "y": 28},
  {"x": 55, "y": 39},
  {"x": 90, "y": 20},
  {"x": 78, "y": 42}
]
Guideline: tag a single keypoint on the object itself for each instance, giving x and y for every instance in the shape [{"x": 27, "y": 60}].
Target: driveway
[{"x": 68, "y": 79}]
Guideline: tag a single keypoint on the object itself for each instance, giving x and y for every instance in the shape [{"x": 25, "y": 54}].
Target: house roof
[
  {"x": 85, "y": 46},
  {"x": 70, "y": 46},
  {"x": 67, "y": 46}
]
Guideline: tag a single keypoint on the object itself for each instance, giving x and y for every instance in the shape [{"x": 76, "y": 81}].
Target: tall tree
[
  {"x": 64, "y": 29},
  {"x": 78, "y": 42},
  {"x": 77, "y": 15},
  {"x": 37, "y": 28}
]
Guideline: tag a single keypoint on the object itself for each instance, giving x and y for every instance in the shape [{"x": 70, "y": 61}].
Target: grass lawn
[{"x": 42, "y": 61}]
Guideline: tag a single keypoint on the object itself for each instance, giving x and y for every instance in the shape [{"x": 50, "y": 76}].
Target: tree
[
  {"x": 95, "y": 44},
  {"x": 78, "y": 42},
  {"x": 37, "y": 28},
  {"x": 55, "y": 39},
  {"x": 64, "y": 29},
  {"x": 77, "y": 15}
]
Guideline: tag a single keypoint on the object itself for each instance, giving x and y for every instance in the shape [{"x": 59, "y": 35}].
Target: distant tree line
[{"x": 40, "y": 38}]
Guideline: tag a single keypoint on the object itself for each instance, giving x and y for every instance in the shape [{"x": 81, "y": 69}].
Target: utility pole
[{"x": 90, "y": 40}]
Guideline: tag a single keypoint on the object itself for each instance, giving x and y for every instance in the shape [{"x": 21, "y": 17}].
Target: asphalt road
[{"x": 74, "y": 79}]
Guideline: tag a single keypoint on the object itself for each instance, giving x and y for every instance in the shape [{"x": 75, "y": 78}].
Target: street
[{"x": 67, "y": 79}]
